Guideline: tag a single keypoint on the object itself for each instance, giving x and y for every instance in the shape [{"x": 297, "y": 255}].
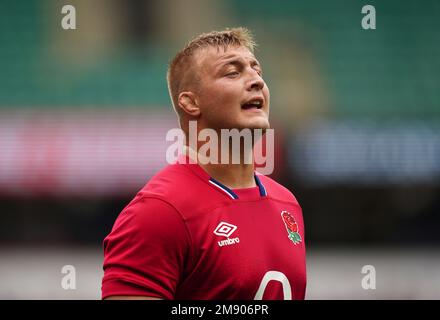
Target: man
[{"x": 210, "y": 230}]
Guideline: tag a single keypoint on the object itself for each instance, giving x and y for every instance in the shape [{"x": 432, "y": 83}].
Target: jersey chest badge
[{"x": 291, "y": 226}]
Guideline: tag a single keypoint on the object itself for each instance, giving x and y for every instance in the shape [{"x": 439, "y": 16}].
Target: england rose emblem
[{"x": 292, "y": 227}]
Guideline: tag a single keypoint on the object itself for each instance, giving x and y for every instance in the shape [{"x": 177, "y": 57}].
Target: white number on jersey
[{"x": 276, "y": 276}]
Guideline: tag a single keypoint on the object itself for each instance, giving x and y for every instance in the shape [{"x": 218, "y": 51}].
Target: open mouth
[{"x": 253, "y": 104}]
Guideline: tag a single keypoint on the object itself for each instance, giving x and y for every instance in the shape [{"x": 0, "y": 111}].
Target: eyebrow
[{"x": 232, "y": 60}]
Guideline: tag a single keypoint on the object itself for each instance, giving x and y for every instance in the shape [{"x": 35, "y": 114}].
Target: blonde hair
[{"x": 180, "y": 73}]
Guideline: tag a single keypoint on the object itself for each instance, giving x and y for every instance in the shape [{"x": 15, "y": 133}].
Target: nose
[{"x": 255, "y": 82}]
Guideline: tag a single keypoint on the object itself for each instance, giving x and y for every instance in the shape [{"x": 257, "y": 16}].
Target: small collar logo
[
  {"x": 292, "y": 227},
  {"x": 225, "y": 229}
]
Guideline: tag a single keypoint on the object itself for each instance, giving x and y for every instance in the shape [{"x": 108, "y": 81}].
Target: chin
[
  {"x": 257, "y": 124},
  {"x": 252, "y": 124}
]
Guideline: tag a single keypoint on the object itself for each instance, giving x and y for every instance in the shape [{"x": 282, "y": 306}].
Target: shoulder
[
  {"x": 276, "y": 190},
  {"x": 182, "y": 187},
  {"x": 148, "y": 218},
  {"x": 147, "y": 208}
]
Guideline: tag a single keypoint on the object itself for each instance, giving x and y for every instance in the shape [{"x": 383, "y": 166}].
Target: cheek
[
  {"x": 266, "y": 92},
  {"x": 223, "y": 95}
]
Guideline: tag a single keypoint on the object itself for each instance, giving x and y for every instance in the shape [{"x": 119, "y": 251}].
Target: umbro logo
[{"x": 225, "y": 229}]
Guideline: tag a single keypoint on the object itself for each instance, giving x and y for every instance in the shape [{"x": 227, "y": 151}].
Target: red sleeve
[{"x": 145, "y": 252}]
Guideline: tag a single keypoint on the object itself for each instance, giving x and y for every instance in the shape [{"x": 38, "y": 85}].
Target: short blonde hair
[{"x": 180, "y": 73}]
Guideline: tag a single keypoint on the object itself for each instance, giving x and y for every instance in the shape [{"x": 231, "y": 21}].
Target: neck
[{"x": 234, "y": 176}]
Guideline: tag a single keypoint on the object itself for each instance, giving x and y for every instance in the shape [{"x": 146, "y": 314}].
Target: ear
[{"x": 188, "y": 104}]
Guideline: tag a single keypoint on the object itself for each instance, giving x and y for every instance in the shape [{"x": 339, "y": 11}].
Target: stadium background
[{"x": 83, "y": 117}]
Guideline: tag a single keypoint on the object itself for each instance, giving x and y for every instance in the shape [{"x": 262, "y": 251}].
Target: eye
[
  {"x": 232, "y": 73},
  {"x": 259, "y": 71}
]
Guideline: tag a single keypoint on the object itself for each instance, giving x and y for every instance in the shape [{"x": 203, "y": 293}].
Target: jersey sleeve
[{"x": 145, "y": 253}]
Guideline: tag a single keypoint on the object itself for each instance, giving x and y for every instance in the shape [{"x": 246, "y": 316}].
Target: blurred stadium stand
[{"x": 83, "y": 117}]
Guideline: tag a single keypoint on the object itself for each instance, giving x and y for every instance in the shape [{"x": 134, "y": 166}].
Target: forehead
[{"x": 210, "y": 58}]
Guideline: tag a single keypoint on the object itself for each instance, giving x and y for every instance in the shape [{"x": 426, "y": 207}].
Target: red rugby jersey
[{"x": 186, "y": 236}]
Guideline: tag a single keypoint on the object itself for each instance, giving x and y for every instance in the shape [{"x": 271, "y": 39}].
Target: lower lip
[{"x": 252, "y": 110}]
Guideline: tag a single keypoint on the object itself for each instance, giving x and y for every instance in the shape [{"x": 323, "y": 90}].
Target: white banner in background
[{"x": 81, "y": 152}]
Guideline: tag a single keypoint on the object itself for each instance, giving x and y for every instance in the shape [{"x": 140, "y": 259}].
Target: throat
[{"x": 234, "y": 176}]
